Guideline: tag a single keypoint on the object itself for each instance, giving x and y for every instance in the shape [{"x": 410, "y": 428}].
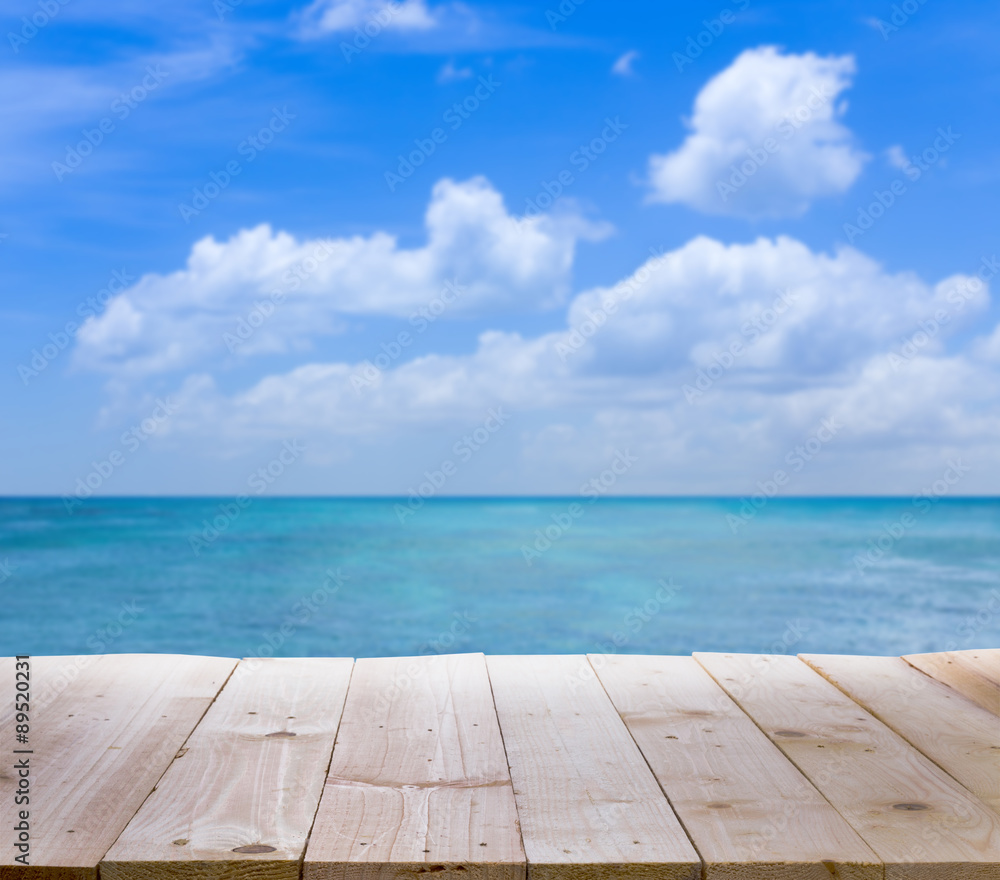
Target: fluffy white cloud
[
  {"x": 797, "y": 314},
  {"x": 264, "y": 291},
  {"x": 713, "y": 361},
  {"x": 338, "y": 16},
  {"x": 765, "y": 138}
]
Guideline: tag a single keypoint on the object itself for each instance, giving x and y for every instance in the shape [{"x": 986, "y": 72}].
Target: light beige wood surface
[
  {"x": 588, "y": 804},
  {"x": 107, "y": 729},
  {"x": 973, "y": 673},
  {"x": 960, "y": 736},
  {"x": 917, "y": 819},
  {"x": 748, "y": 810},
  {"x": 241, "y": 796},
  {"x": 418, "y": 783},
  {"x": 134, "y": 764}
]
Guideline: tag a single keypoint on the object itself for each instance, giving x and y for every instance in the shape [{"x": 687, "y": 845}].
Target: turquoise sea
[{"x": 361, "y": 577}]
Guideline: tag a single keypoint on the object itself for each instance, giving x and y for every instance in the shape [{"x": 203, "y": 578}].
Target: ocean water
[{"x": 347, "y": 577}]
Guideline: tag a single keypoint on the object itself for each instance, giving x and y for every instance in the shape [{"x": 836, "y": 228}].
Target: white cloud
[
  {"x": 765, "y": 138},
  {"x": 897, "y": 157},
  {"x": 45, "y": 97},
  {"x": 623, "y": 66},
  {"x": 167, "y": 322},
  {"x": 845, "y": 344},
  {"x": 48, "y": 98},
  {"x": 323, "y": 17},
  {"x": 450, "y": 73},
  {"x": 988, "y": 350}
]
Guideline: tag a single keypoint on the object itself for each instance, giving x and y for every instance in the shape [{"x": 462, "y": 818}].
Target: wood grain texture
[
  {"x": 917, "y": 819},
  {"x": 249, "y": 778},
  {"x": 103, "y": 731},
  {"x": 418, "y": 784},
  {"x": 973, "y": 673},
  {"x": 588, "y": 804},
  {"x": 958, "y": 735},
  {"x": 748, "y": 809}
]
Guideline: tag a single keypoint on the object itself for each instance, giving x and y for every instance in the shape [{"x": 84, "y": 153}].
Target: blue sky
[{"x": 627, "y": 227}]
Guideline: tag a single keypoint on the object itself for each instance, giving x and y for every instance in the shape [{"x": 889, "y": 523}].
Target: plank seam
[
  {"x": 506, "y": 757},
  {"x": 805, "y": 775},
  {"x": 703, "y": 871},
  {"x": 170, "y": 763},
  {"x": 326, "y": 773},
  {"x": 984, "y": 678},
  {"x": 899, "y": 733}
]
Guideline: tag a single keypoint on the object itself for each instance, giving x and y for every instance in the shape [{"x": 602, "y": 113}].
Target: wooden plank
[
  {"x": 103, "y": 736},
  {"x": 973, "y": 673},
  {"x": 748, "y": 810},
  {"x": 957, "y": 734},
  {"x": 241, "y": 796},
  {"x": 418, "y": 783},
  {"x": 916, "y": 818},
  {"x": 590, "y": 808}
]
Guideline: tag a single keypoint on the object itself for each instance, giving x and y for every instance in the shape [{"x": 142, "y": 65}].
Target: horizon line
[{"x": 510, "y": 497}]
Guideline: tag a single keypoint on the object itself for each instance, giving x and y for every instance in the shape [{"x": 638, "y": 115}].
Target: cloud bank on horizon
[{"x": 709, "y": 350}]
